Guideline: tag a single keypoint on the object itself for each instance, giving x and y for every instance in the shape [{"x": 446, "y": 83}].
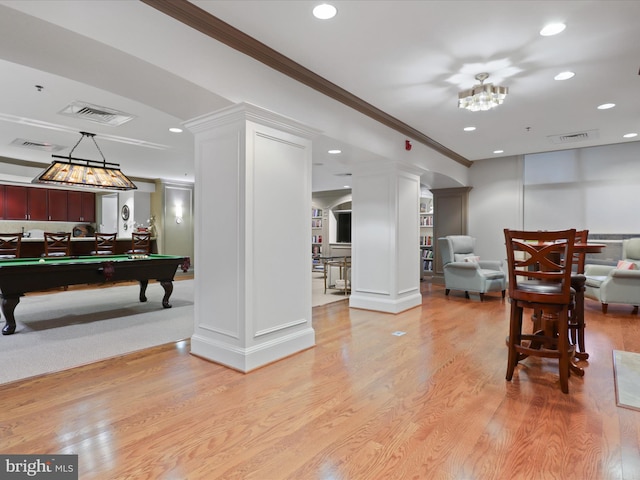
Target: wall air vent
[
  {"x": 574, "y": 137},
  {"x": 43, "y": 146},
  {"x": 96, "y": 113}
]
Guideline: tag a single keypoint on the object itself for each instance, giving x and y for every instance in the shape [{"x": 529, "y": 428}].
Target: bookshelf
[
  {"x": 316, "y": 239},
  {"x": 426, "y": 237}
]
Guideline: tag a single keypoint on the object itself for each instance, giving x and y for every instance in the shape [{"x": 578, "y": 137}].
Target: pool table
[{"x": 21, "y": 275}]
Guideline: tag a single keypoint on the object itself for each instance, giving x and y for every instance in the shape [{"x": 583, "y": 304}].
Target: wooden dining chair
[
  {"x": 579, "y": 255},
  {"x": 57, "y": 244},
  {"x": 576, "y": 314},
  {"x": 104, "y": 243},
  {"x": 140, "y": 243},
  {"x": 539, "y": 268},
  {"x": 10, "y": 245}
]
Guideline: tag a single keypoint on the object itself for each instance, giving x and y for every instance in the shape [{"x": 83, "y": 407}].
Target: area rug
[
  {"x": 62, "y": 330},
  {"x": 318, "y": 295},
  {"x": 626, "y": 371}
]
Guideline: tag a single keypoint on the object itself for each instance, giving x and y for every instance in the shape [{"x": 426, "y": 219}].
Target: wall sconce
[{"x": 178, "y": 208}]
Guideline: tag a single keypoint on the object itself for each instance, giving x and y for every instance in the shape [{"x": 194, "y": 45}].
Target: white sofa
[{"x": 608, "y": 284}]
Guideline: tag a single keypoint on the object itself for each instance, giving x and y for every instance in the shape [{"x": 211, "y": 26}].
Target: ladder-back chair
[{"x": 539, "y": 268}]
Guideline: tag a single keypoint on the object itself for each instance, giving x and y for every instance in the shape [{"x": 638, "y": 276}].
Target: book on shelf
[
  {"x": 425, "y": 240},
  {"x": 426, "y": 221}
]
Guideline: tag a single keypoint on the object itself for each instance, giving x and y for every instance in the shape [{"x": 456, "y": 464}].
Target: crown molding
[{"x": 213, "y": 27}]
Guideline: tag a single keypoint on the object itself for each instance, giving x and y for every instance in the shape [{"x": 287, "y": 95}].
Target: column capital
[{"x": 243, "y": 112}]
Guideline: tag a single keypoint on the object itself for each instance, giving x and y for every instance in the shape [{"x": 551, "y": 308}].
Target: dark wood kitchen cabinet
[
  {"x": 15, "y": 203},
  {"x": 24, "y": 203},
  {"x": 81, "y": 206},
  {"x": 37, "y": 205},
  {"x": 57, "y": 205},
  {"x": 45, "y": 204}
]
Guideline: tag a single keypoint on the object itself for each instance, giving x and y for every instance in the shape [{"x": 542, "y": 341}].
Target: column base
[
  {"x": 384, "y": 303},
  {"x": 247, "y": 359}
]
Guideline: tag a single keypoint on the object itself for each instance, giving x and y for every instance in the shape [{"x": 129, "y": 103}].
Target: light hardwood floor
[{"x": 363, "y": 404}]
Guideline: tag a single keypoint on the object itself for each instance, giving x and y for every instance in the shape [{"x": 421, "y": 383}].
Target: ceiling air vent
[
  {"x": 96, "y": 113},
  {"x": 43, "y": 146},
  {"x": 574, "y": 137}
]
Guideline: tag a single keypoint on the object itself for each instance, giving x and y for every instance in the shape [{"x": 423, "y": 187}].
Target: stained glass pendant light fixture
[
  {"x": 483, "y": 96},
  {"x": 79, "y": 172}
]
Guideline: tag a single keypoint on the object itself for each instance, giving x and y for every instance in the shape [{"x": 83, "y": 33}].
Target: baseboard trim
[
  {"x": 385, "y": 304},
  {"x": 248, "y": 359}
]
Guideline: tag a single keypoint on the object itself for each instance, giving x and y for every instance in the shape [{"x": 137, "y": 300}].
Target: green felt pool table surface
[
  {"x": 18, "y": 262},
  {"x": 21, "y": 275}
]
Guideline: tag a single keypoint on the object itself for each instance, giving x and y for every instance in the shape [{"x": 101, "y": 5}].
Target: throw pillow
[
  {"x": 624, "y": 265},
  {"x": 472, "y": 258}
]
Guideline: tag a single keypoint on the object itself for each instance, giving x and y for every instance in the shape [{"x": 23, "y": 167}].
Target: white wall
[
  {"x": 495, "y": 203},
  {"x": 178, "y": 232}
]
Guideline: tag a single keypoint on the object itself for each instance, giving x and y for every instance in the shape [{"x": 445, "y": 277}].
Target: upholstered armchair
[
  {"x": 620, "y": 284},
  {"x": 464, "y": 270}
]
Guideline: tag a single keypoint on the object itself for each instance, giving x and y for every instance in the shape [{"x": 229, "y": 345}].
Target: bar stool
[
  {"x": 140, "y": 243},
  {"x": 10, "y": 245},
  {"x": 57, "y": 244},
  {"x": 104, "y": 243},
  {"x": 539, "y": 267},
  {"x": 578, "y": 280}
]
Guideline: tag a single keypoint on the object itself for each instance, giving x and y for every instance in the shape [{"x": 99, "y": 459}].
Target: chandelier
[
  {"x": 482, "y": 97},
  {"x": 85, "y": 173}
]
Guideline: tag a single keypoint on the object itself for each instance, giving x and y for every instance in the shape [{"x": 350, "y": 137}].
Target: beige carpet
[
  {"x": 318, "y": 295},
  {"x": 61, "y": 330},
  {"x": 626, "y": 371},
  {"x": 101, "y": 323}
]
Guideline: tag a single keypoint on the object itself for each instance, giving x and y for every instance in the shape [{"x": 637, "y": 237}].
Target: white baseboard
[
  {"x": 385, "y": 304},
  {"x": 247, "y": 359}
]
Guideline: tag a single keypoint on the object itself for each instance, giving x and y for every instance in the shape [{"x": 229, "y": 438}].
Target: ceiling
[{"x": 405, "y": 59}]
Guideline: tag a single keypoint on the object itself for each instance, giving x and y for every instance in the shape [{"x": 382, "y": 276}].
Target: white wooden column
[
  {"x": 385, "y": 235},
  {"x": 252, "y": 237}
]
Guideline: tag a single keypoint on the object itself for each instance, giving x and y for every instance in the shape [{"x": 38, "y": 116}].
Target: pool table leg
[
  {"x": 8, "y": 306},
  {"x": 143, "y": 290},
  {"x": 168, "y": 289}
]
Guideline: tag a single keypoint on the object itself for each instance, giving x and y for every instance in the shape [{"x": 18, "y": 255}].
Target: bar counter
[{"x": 34, "y": 247}]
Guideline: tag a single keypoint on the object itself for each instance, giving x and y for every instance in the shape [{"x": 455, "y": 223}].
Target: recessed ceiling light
[
  {"x": 469, "y": 129},
  {"x": 630, "y": 135},
  {"x": 606, "y": 106},
  {"x": 498, "y": 151},
  {"x": 334, "y": 152},
  {"x": 552, "y": 29},
  {"x": 347, "y": 186},
  {"x": 564, "y": 76},
  {"x": 175, "y": 130},
  {"x": 324, "y": 11}
]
